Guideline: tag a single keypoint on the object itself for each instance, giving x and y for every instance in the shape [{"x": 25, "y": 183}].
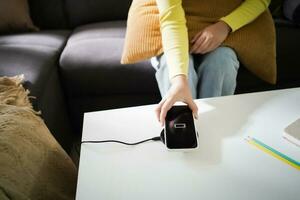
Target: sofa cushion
[
  {"x": 48, "y": 14},
  {"x": 291, "y": 9},
  {"x": 49, "y": 40},
  {"x": 288, "y": 43},
  {"x": 81, "y": 12},
  {"x": 90, "y": 63},
  {"x": 36, "y": 56},
  {"x": 275, "y": 8},
  {"x": 33, "y": 54},
  {"x": 15, "y": 17}
]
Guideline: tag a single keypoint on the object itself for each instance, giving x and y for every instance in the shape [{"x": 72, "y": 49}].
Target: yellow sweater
[{"x": 175, "y": 35}]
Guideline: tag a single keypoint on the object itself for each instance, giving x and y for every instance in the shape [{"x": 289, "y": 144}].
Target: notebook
[{"x": 292, "y": 132}]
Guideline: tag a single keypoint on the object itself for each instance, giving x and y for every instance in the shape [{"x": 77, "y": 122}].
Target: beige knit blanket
[{"x": 32, "y": 164}]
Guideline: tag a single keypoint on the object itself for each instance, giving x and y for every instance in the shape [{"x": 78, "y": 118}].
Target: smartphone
[{"x": 180, "y": 132}]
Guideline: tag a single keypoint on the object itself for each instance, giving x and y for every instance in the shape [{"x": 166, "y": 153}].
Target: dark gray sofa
[{"x": 73, "y": 64}]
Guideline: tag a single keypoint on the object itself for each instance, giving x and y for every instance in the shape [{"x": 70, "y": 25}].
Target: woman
[{"x": 205, "y": 69}]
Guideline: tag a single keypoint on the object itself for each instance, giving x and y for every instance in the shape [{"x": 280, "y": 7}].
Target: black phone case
[{"x": 180, "y": 130}]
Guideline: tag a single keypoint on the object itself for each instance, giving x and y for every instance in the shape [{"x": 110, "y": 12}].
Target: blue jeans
[{"x": 210, "y": 75}]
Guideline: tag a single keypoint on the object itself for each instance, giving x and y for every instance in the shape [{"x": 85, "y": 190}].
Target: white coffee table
[{"x": 224, "y": 167}]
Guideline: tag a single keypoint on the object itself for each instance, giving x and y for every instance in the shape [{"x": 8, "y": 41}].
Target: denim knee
[
  {"x": 217, "y": 73},
  {"x": 222, "y": 60}
]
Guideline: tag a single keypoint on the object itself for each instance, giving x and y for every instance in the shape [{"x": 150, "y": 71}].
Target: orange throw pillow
[{"x": 142, "y": 35}]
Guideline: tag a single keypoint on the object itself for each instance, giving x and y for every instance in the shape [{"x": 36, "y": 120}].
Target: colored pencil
[{"x": 273, "y": 152}]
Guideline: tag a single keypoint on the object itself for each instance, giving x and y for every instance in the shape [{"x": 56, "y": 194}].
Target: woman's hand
[
  {"x": 210, "y": 38},
  {"x": 179, "y": 91}
]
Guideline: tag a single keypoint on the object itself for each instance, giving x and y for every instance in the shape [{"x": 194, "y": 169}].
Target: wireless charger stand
[{"x": 162, "y": 136}]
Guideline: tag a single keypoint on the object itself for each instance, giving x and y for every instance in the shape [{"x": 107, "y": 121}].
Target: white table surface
[{"x": 224, "y": 167}]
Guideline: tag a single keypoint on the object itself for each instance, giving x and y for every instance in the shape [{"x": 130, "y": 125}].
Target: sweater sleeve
[
  {"x": 248, "y": 11},
  {"x": 174, "y": 36}
]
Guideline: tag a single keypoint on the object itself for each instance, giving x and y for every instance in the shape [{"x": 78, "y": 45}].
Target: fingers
[
  {"x": 198, "y": 43},
  {"x": 205, "y": 43},
  {"x": 158, "y": 109},
  {"x": 167, "y": 105},
  {"x": 204, "y": 46},
  {"x": 211, "y": 46},
  {"x": 179, "y": 91},
  {"x": 196, "y": 36}
]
